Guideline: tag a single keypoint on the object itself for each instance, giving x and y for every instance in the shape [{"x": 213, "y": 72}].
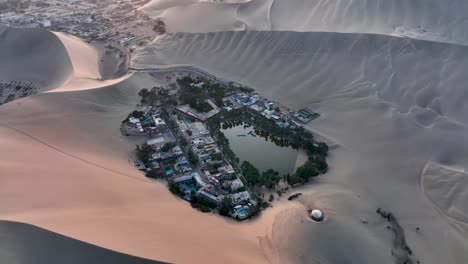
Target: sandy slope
[
  {"x": 393, "y": 105},
  {"x": 196, "y": 15},
  {"x": 87, "y": 61},
  {"x": 26, "y": 244},
  {"x": 45, "y": 63},
  {"x": 78, "y": 182},
  {"x": 55, "y": 61},
  {"x": 443, "y": 21}
]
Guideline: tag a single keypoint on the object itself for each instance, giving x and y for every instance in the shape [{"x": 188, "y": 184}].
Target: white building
[
  {"x": 238, "y": 198},
  {"x": 184, "y": 178},
  {"x": 134, "y": 120},
  {"x": 46, "y": 23},
  {"x": 228, "y": 169},
  {"x": 269, "y": 105},
  {"x": 214, "y": 199},
  {"x": 156, "y": 142},
  {"x": 159, "y": 122},
  {"x": 236, "y": 184},
  {"x": 200, "y": 182},
  {"x": 199, "y": 129}
]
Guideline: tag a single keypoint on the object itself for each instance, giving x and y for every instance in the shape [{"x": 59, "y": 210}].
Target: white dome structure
[{"x": 316, "y": 215}]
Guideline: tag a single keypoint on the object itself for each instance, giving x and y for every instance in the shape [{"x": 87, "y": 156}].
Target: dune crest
[
  {"x": 432, "y": 20},
  {"x": 392, "y": 104},
  {"x": 100, "y": 197},
  {"x": 33, "y": 55},
  {"x": 37, "y": 61}
]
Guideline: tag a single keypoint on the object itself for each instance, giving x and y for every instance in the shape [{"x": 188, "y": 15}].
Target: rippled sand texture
[
  {"x": 65, "y": 167},
  {"x": 393, "y": 109},
  {"x": 442, "y": 21},
  {"x": 391, "y": 105},
  {"x": 53, "y": 61},
  {"x": 45, "y": 63}
]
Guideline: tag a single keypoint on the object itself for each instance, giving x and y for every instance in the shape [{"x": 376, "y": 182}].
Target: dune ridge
[
  {"x": 98, "y": 195},
  {"x": 49, "y": 62},
  {"x": 421, "y": 19},
  {"x": 392, "y": 104},
  {"x": 45, "y": 63},
  {"x": 371, "y": 65},
  {"x": 28, "y": 244}
]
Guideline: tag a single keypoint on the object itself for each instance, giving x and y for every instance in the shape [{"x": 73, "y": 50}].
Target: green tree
[
  {"x": 144, "y": 152},
  {"x": 154, "y": 174},
  {"x": 138, "y": 114},
  {"x": 168, "y": 146},
  {"x": 226, "y": 206},
  {"x": 175, "y": 189},
  {"x": 183, "y": 141},
  {"x": 192, "y": 157}
]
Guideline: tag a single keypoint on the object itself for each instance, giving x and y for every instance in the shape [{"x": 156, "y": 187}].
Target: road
[{"x": 186, "y": 68}]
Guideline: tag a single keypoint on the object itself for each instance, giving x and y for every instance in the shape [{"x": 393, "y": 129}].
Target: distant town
[
  {"x": 116, "y": 25},
  {"x": 117, "y": 22},
  {"x": 182, "y": 121},
  {"x": 186, "y": 147}
]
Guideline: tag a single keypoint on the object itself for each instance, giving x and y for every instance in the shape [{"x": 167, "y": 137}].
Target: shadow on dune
[{"x": 28, "y": 244}]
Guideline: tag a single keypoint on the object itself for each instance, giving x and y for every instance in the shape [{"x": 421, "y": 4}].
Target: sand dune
[
  {"x": 446, "y": 188},
  {"x": 395, "y": 107},
  {"x": 84, "y": 57},
  {"x": 369, "y": 65},
  {"x": 392, "y": 105},
  {"x": 430, "y": 20},
  {"x": 45, "y": 63},
  {"x": 81, "y": 184},
  {"x": 196, "y": 15},
  {"x": 87, "y": 71},
  {"x": 443, "y": 21},
  {"x": 27, "y": 244},
  {"x": 53, "y": 62}
]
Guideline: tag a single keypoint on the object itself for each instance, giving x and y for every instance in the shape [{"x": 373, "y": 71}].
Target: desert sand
[
  {"x": 434, "y": 20},
  {"x": 92, "y": 66},
  {"x": 392, "y": 107},
  {"x": 47, "y": 64},
  {"x": 29, "y": 244},
  {"x": 98, "y": 196},
  {"x": 57, "y": 61}
]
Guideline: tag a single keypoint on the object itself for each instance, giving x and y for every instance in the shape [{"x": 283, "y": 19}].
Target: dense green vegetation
[
  {"x": 143, "y": 152},
  {"x": 196, "y": 96},
  {"x": 157, "y": 95},
  {"x": 138, "y": 114},
  {"x": 192, "y": 158},
  {"x": 175, "y": 189},
  {"x": 269, "y": 178},
  {"x": 183, "y": 142},
  {"x": 155, "y": 174},
  {"x": 225, "y": 208},
  {"x": 297, "y": 137},
  {"x": 201, "y": 203},
  {"x": 217, "y": 156},
  {"x": 168, "y": 146}
]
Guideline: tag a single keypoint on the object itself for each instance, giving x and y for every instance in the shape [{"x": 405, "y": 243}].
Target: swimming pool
[{"x": 242, "y": 212}]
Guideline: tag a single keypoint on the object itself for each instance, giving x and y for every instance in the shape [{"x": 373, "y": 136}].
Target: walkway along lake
[{"x": 251, "y": 145}]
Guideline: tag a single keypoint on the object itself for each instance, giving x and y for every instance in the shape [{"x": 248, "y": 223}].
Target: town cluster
[
  {"x": 181, "y": 149},
  {"x": 283, "y": 117},
  {"x": 118, "y": 22},
  {"x": 10, "y": 91}
]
